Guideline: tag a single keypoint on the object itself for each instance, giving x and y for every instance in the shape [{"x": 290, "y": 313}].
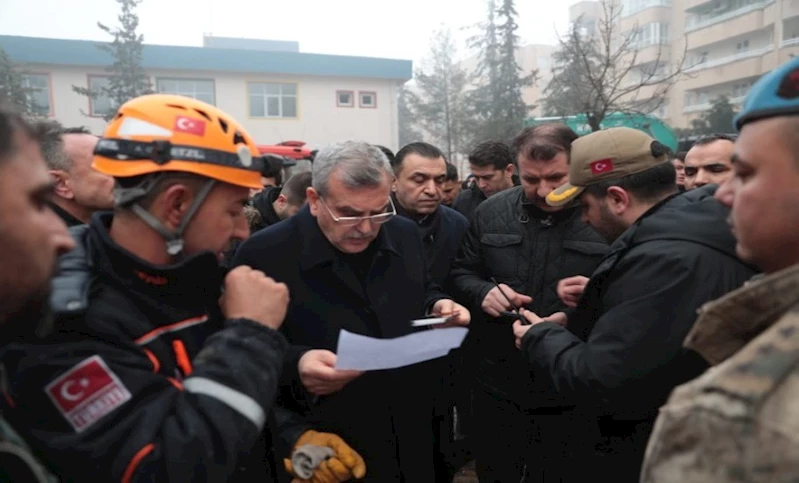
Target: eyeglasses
[{"x": 378, "y": 219}]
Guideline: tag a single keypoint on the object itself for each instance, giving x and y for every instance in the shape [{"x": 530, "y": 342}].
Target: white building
[{"x": 277, "y": 92}]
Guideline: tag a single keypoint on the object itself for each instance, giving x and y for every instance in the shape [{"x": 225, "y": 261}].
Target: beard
[
  {"x": 33, "y": 318},
  {"x": 610, "y": 227}
]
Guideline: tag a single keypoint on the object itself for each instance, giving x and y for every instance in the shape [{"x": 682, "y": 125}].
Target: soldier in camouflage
[
  {"x": 740, "y": 420},
  {"x": 32, "y": 236}
]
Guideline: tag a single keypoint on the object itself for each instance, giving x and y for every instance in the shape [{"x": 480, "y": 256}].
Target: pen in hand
[{"x": 515, "y": 310}]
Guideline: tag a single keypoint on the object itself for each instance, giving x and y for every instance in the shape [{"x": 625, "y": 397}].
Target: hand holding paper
[
  {"x": 319, "y": 375},
  {"x": 358, "y": 352}
]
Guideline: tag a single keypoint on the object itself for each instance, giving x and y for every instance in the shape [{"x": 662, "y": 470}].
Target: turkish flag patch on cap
[
  {"x": 87, "y": 392},
  {"x": 189, "y": 125},
  {"x": 602, "y": 166}
]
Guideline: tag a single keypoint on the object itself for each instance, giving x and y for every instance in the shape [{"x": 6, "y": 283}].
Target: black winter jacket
[
  {"x": 623, "y": 351},
  {"x": 143, "y": 379},
  {"x": 529, "y": 250},
  {"x": 263, "y": 203},
  {"x": 386, "y": 416},
  {"x": 468, "y": 200}
]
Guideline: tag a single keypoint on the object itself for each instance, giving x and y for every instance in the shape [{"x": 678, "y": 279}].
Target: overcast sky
[{"x": 374, "y": 28}]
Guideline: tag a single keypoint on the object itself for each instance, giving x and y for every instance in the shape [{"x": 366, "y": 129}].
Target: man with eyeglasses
[{"x": 351, "y": 264}]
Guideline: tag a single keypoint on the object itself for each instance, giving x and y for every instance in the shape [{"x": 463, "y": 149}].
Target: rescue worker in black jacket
[
  {"x": 621, "y": 352},
  {"x": 526, "y": 246},
  {"x": 152, "y": 372}
]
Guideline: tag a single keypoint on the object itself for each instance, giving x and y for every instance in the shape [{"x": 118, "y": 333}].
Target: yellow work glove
[{"x": 342, "y": 464}]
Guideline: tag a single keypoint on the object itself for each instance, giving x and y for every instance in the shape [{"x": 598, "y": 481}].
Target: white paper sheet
[{"x": 362, "y": 353}]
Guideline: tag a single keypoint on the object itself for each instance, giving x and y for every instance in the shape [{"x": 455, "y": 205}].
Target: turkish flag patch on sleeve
[
  {"x": 87, "y": 392},
  {"x": 602, "y": 166},
  {"x": 189, "y": 125}
]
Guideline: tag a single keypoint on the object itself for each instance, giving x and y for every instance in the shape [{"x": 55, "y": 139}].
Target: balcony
[
  {"x": 729, "y": 59},
  {"x": 632, "y": 7},
  {"x": 647, "y": 54},
  {"x": 730, "y": 72},
  {"x": 643, "y": 17},
  {"x": 697, "y": 22},
  {"x": 789, "y": 9},
  {"x": 733, "y": 24},
  {"x": 788, "y": 50},
  {"x": 707, "y": 105},
  {"x": 691, "y": 5}
]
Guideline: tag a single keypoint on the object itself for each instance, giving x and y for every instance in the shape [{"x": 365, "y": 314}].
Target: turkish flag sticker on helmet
[
  {"x": 189, "y": 125},
  {"x": 602, "y": 166},
  {"x": 87, "y": 392}
]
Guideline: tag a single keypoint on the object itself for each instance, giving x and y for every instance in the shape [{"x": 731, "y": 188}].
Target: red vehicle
[{"x": 292, "y": 150}]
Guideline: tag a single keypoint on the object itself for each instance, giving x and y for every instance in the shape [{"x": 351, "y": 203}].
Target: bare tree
[
  {"x": 601, "y": 72},
  {"x": 439, "y": 103}
]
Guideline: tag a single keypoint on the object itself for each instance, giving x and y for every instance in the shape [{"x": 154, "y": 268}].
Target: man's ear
[
  {"x": 62, "y": 184},
  {"x": 510, "y": 170},
  {"x": 312, "y": 198},
  {"x": 171, "y": 205},
  {"x": 282, "y": 200},
  {"x": 618, "y": 200}
]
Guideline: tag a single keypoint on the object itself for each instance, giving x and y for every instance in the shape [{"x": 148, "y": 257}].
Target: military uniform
[
  {"x": 17, "y": 462},
  {"x": 740, "y": 420}
]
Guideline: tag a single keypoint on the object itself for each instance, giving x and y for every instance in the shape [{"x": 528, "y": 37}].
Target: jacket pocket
[
  {"x": 582, "y": 257},
  {"x": 501, "y": 252}
]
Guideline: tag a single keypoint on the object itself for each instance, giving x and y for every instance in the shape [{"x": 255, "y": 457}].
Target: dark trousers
[
  {"x": 514, "y": 445},
  {"x": 622, "y": 450},
  {"x": 502, "y": 438}
]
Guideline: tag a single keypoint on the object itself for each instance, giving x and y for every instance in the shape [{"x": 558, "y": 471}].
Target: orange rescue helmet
[{"x": 158, "y": 133}]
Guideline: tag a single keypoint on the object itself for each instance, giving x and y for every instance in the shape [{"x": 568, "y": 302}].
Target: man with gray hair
[
  {"x": 350, "y": 264},
  {"x": 80, "y": 190}
]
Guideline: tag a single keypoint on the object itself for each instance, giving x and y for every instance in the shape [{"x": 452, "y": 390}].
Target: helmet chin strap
[{"x": 174, "y": 239}]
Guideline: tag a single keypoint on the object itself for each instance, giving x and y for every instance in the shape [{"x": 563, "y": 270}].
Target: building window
[
  {"x": 741, "y": 47},
  {"x": 100, "y": 105},
  {"x": 655, "y": 33},
  {"x": 200, "y": 89},
  {"x": 271, "y": 99},
  {"x": 368, "y": 99},
  {"x": 38, "y": 86},
  {"x": 630, "y": 7},
  {"x": 345, "y": 99}
]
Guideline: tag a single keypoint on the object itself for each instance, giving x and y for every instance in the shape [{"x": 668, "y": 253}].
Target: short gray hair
[
  {"x": 55, "y": 156},
  {"x": 361, "y": 165}
]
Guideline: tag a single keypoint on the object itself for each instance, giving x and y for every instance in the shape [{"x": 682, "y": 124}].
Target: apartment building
[{"x": 725, "y": 46}]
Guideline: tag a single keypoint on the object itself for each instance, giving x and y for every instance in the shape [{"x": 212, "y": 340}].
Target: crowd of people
[{"x": 169, "y": 314}]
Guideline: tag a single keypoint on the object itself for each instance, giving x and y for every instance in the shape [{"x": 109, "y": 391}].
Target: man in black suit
[{"x": 351, "y": 264}]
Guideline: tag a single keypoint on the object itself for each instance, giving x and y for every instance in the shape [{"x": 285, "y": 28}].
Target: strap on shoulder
[{"x": 70, "y": 288}]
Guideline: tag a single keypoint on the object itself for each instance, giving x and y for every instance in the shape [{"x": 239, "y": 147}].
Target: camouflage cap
[{"x": 608, "y": 154}]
